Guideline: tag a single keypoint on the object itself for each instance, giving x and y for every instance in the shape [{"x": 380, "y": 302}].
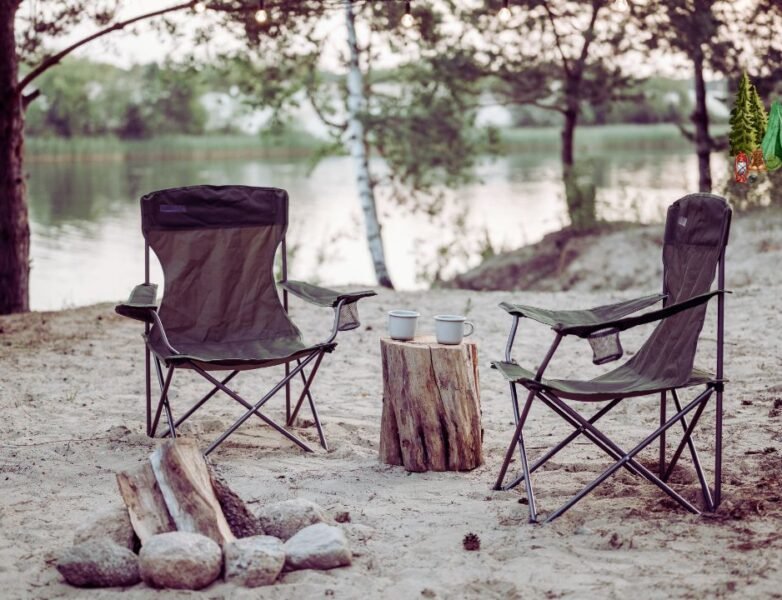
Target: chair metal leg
[
  {"x": 288, "y": 395},
  {"x": 518, "y": 438},
  {"x": 707, "y": 499},
  {"x": 661, "y": 462},
  {"x": 164, "y": 385},
  {"x": 684, "y": 441},
  {"x": 148, "y": 386},
  {"x": 306, "y": 390},
  {"x": 717, "y": 499},
  {"x": 307, "y": 382}
]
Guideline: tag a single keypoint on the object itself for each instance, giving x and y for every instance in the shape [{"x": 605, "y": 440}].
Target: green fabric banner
[{"x": 772, "y": 141}]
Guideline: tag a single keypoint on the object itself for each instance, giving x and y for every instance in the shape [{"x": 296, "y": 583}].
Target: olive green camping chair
[
  {"x": 696, "y": 233},
  {"x": 221, "y": 310}
]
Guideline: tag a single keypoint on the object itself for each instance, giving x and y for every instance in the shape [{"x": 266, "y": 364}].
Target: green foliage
[
  {"x": 759, "y": 116},
  {"x": 82, "y": 98},
  {"x": 742, "y": 123}
]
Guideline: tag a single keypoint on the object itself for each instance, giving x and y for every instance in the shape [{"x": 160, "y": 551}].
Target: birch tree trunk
[
  {"x": 357, "y": 105},
  {"x": 14, "y": 226}
]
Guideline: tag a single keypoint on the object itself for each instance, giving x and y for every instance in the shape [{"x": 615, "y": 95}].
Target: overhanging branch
[{"x": 56, "y": 58}]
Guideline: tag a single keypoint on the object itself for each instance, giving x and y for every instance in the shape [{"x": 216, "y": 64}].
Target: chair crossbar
[
  {"x": 221, "y": 385},
  {"x": 623, "y": 458},
  {"x": 198, "y": 404},
  {"x": 579, "y": 429},
  {"x": 253, "y": 409},
  {"x": 628, "y": 457}
]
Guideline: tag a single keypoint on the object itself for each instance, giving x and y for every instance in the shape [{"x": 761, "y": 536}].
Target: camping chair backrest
[
  {"x": 696, "y": 233},
  {"x": 216, "y": 245}
]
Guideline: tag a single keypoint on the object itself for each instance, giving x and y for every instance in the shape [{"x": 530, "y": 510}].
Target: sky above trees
[{"x": 143, "y": 44}]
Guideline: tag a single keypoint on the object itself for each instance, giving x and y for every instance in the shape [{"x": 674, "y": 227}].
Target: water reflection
[{"x": 87, "y": 244}]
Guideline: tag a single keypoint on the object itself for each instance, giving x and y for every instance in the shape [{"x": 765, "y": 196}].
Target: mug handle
[{"x": 472, "y": 328}]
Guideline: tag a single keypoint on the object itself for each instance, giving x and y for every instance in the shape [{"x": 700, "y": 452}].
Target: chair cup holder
[
  {"x": 348, "y": 317},
  {"x": 606, "y": 346}
]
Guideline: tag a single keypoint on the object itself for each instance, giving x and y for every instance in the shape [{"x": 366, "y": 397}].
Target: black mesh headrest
[
  {"x": 698, "y": 220},
  {"x": 210, "y": 206}
]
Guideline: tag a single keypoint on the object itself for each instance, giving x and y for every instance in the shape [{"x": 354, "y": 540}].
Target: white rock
[
  {"x": 285, "y": 519},
  {"x": 99, "y": 563},
  {"x": 319, "y": 546},
  {"x": 113, "y": 523},
  {"x": 254, "y": 561},
  {"x": 180, "y": 560}
]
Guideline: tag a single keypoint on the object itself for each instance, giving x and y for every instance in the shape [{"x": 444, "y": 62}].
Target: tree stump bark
[{"x": 431, "y": 406}]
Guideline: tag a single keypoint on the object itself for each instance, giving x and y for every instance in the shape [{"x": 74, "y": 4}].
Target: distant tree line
[{"x": 84, "y": 98}]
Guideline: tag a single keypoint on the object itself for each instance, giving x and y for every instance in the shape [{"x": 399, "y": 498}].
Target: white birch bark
[{"x": 357, "y": 105}]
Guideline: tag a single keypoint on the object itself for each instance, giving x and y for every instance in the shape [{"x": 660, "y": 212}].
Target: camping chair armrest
[
  {"x": 141, "y": 303},
  {"x": 323, "y": 296},
  {"x": 584, "y": 317},
  {"x": 629, "y": 322}
]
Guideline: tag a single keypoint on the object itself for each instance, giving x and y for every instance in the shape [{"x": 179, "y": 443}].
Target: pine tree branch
[{"x": 56, "y": 58}]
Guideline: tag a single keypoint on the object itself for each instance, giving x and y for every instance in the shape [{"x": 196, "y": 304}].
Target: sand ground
[{"x": 71, "y": 393}]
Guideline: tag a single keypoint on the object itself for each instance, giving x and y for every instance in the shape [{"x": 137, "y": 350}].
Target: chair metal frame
[
  {"x": 164, "y": 380},
  {"x": 623, "y": 458}
]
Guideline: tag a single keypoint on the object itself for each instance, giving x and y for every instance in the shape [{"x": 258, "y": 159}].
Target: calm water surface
[{"x": 87, "y": 245}]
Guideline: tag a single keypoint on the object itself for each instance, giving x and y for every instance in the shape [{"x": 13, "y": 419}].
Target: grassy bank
[
  {"x": 298, "y": 144},
  {"x": 658, "y": 137},
  {"x": 289, "y": 145}
]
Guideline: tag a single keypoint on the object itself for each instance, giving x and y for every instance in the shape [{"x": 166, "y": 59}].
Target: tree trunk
[
  {"x": 357, "y": 105},
  {"x": 431, "y": 406},
  {"x": 14, "y": 226},
  {"x": 700, "y": 118},
  {"x": 580, "y": 198}
]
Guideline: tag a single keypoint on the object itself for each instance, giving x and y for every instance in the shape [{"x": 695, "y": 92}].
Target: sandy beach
[{"x": 71, "y": 393}]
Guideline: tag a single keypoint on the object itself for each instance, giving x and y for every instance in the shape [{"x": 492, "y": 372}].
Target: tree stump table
[{"x": 431, "y": 406}]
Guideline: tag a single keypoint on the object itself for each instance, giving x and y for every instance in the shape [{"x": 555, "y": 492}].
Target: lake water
[{"x": 87, "y": 245}]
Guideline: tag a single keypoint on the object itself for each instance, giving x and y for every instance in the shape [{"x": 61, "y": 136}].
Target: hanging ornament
[
  {"x": 407, "y": 19},
  {"x": 261, "y": 16},
  {"x": 741, "y": 168}
]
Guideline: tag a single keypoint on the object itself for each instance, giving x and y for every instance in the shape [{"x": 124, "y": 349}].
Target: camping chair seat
[
  {"x": 234, "y": 355},
  {"x": 623, "y": 381}
]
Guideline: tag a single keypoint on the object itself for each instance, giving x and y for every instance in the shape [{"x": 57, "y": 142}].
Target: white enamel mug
[
  {"x": 450, "y": 329},
  {"x": 401, "y": 324}
]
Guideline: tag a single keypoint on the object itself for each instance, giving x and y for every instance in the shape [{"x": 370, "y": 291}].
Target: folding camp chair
[
  {"x": 221, "y": 310},
  {"x": 696, "y": 233}
]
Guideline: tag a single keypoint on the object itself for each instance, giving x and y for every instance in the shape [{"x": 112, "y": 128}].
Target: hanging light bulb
[
  {"x": 261, "y": 16},
  {"x": 199, "y": 7},
  {"x": 407, "y": 18},
  {"x": 504, "y": 14}
]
